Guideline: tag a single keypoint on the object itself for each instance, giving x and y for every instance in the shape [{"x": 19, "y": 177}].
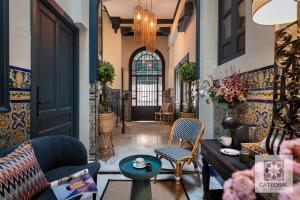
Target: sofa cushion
[
  {"x": 46, "y": 194},
  {"x": 61, "y": 172},
  {"x": 20, "y": 174}
]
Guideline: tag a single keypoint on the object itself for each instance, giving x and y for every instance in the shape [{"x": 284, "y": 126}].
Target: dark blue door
[{"x": 53, "y": 74}]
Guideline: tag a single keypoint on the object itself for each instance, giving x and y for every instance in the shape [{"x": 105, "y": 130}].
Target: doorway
[
  {"x": 54, "y": 108},
  {"x": 147, "y": 83}
]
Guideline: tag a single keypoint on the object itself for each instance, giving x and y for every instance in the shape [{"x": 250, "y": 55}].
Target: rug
[{"x": 161, "y": 190}]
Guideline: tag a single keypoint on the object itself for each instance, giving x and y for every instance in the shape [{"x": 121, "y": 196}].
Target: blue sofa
[{"x": 59, "y": 156}]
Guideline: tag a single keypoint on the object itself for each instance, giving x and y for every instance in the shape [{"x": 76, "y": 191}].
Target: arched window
[{"x": 146, "y": 80}]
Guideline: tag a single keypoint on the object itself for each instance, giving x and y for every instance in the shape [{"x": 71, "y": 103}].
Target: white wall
[
  {"x": 78, "y": 10},
  {"x": 19, "y": 34},
  {"x": 181, "y": 43},
  {"x": 259, "y": 50},
  {"x": 112, "y": 49}
]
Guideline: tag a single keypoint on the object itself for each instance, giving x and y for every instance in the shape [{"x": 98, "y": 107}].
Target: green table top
[{"x": 127, "y": 169}]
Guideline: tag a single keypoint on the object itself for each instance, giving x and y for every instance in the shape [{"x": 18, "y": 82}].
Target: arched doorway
[{"x": 146, "y": 83}]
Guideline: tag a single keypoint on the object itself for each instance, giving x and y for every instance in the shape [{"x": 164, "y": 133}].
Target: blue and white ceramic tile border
[{"x": 15, "y": 125}]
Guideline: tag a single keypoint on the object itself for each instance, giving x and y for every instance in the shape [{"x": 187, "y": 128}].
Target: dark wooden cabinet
[{"x": 224, "y": 166}]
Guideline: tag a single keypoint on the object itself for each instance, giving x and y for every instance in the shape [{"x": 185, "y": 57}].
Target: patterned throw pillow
[{"x": 20, "y": 174}]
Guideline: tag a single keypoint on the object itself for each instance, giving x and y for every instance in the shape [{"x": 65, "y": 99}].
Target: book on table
[{"x": 80, "y": 183}]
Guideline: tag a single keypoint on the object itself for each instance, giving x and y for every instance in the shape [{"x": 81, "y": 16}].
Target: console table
[{"x": 224, "y": 166}]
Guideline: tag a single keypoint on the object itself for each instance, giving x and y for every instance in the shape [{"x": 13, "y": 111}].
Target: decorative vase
[{"x": 231, "y": 124}]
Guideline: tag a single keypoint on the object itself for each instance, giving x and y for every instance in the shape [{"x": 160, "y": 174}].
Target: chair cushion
[
  {"x": 20, "y": 174},
  {"x": 172, "y": 153},
  {"x": 61, "y": 172}
]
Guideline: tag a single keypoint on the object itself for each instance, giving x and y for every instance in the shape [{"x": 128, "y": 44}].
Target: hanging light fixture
[
  {"x": 271, "y": 12},
  {"x": 151, "y": 36},
  {"x": 145, "y": 25},
  {"x": 137, "y": 22},
  {"x": 151, "y": 40}
]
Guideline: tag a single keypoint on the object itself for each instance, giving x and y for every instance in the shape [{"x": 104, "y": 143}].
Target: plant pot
[
  {"x": 187, "y": 115},
  {"x": 106, "y": 122}
]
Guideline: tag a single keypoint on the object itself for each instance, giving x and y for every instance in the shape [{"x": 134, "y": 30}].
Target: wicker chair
[
  {"x": 187, "y": 131},
  {"x": 163, "y": 109}
]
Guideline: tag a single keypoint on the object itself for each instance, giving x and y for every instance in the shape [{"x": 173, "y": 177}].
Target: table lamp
[{"x": 273, "y": 12}]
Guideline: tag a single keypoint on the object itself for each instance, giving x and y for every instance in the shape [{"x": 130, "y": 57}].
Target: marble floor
[{"x": 141, "y": 138}]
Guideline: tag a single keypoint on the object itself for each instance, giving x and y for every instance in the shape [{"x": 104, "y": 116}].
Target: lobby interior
[{"x": 195, "y": 88}]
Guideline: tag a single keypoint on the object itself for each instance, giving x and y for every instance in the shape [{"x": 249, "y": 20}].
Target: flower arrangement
[
  {"x": 230, "y": 88},
  {"x": 242, "y": 183}
]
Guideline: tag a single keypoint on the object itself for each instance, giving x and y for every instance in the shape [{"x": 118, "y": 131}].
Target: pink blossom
[
  {"x": 290, "y": 147},
  {"x": 242, "y": 183},
  {"x": 231, "y": 87},
  {"x": 243, "y": 187},
  {"x": 288, "y": 195},
  {"x": 248, "y": 173},
  {"x": 239, "y": 187}
]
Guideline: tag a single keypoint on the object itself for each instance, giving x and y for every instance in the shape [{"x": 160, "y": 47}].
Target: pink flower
[
  {"x": 290, "y": 147},
  {"x": 231, "y": 87},
  {"x": 288, "y": 195},
  {"x": 243, "y": 187},
  {"x": 229, "y": 196},
  {"x": 247, "y": 173},
  {"x": 240, "y": 186}
]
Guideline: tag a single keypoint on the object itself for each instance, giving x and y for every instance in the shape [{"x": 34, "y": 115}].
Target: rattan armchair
[{"x": 187, "y": 131}]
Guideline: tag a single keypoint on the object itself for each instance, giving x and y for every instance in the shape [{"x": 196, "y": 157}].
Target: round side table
[{"x": 141, "y": 184}]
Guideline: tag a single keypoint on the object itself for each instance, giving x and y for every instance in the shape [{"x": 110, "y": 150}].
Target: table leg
[
  {"x": 205, "y": 177},
  {"x": 141, "y": 190}
]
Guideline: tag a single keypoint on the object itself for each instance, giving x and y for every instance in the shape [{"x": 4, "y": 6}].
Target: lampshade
[
  {"x": 145, "y": 25},
  {"x": 151, "y": 36},
  {"x": 271, "y": 12},
  {"x": 137, "y": 23}
]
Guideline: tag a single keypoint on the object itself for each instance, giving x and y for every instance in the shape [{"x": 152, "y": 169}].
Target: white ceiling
[{"x": 164, "y": 9}]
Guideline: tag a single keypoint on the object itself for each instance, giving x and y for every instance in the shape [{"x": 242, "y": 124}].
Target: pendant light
[
  {"x": 151, "y": 39},
  {"x": 137, "y": 22},
  {"x": 145, "y": 24},
  {"x": 271, "y": 12}
]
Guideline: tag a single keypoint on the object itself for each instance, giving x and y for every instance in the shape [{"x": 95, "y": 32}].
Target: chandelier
[{"x": 145, "y": 26}]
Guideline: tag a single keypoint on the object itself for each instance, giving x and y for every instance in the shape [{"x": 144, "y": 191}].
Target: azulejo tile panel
[
  {"x": 258, "y": 108},
  {"x": 93, "y": 119},
  {"x": 15, "y": 125}
]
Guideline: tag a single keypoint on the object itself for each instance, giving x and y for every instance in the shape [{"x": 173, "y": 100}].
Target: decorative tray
[{"x": 254, "y": 149}]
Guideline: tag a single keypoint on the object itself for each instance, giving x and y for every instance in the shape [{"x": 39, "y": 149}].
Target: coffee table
[{"x": 141, "y": 185}]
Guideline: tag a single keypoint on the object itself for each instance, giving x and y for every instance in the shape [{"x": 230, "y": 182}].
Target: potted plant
[
  {"x": 106, "y": 73},
  {"x": 187, "y": 73}
]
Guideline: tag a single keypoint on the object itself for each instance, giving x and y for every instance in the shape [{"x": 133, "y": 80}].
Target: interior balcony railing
[{"x": 114, "y": 101}]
